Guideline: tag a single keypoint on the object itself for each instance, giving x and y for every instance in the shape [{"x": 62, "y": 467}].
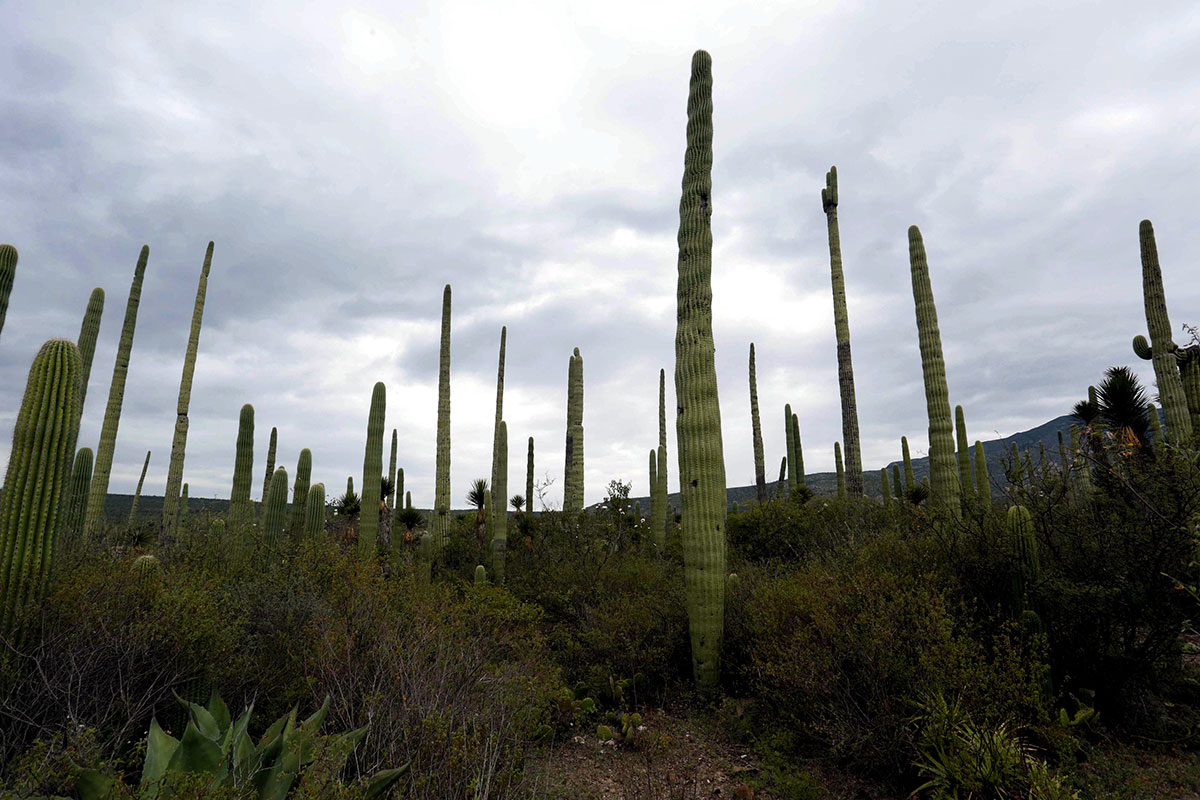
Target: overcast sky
[{"x": 352, "y": 158}]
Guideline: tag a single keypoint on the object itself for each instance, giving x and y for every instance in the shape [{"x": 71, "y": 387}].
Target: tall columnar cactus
[
  {"x": 1062, "y": 454},
  {"x": 983, "y": 483},
  {"x": 76, "y": 494},
  {"x": 698, "y": 424},
  {"x": 529, "y": 479},
  {"x": 665, "y": 516},
  {"x": 368, "y": 519},
  {"x": 314, "y": 512},
  {"x": 441, "y": 488},
  {"x": 39, "y": 469},
  {"x": 662, "y": 434},
  {"x": 170, "y": 517},
  {"x": 790, "y": 433},
  {"x": 840, "y": 470},
  {"x": 1017, "y": 476},
  {"x": 653, "y": 488},
  {"x": 183, "y": 503},
  {"x": 1156, "y": 430},
  {"x": 896, "y": 485},
  {"x": 270, "y": 473},
  {"x": 943, "y": 477},
  {"x": 240, "y": 509},
  {"x": 89, "y": 331},
  {"x": 573, "y": 471},
  {"x": 499, "y": 508},
  {"x": 884, "y": 490},
  {"x": 1080, "y": 468},
  {"x": 1158, "y": 323},
  {"x": 799, "y": 463},
  {"x": 300, "y": 493},
  {"x": 841, "y": 325},
  {"x": 779, "y": 490},
  {"x": 760, "y": 468},
  {"x": 391, "y": 498},
  {"x": 8, "y": 271},
  {"x": 499, "y": 415},
  {"x": 276, "y": 514},
  {"x": 349, "y": 484},
  {"x": 98, "y": 492},
  {"x": 137, "y": 495},
  {"x": 965, "y": 478},
  {"x": 408, "y": 500},
  {"x": 909, "y": 479},
  {"x": 1020, "y": 530}
]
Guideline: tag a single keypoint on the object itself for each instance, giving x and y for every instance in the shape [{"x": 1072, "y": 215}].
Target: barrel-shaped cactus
[
  {"x": 499, "y": 417},
  {"x": 760, "y": 468},
  {"x": 441, "y": 488},
  {"x": 170, "y": 515},
  {"x": 368, "y": 520},
  {"x": 839, "y": 470},
  {"x": 77, "y": 495},
  {"x": 573, "y": 469},
  {"x": 89, "y": 331},
  {"x": 147, "y": 575},
  {"x": 39, "y": 470},
  {"x": 98, "y": 492},
  {"x": 1158, "y": 324},
  {"x": 137, "y": 495},
  {"x": 314, "y": 512},
  {"x": 698, "y": 424},
  {"x": 300, "y": 493},
  {"x": 480, "y": 575},
  {"x": 272, "y": 445},
  {"x": 8, "y": 272},
  {"x": 276, "y": 513},
  {"x": 965, "y": 477},
  {"x": 240, "y": 510},
  {"x": 499, "y": 510},
  {"x": 944, "y": 485}
]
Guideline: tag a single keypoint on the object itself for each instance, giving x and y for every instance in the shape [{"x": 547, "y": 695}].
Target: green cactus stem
[
  {"x": 760, "y": 469},
  {"x": 499, "y": 510},
  {"x": 1043, "y": 462},
  {"x": 896, "y": 480},
  {"x": 965, "y": 479},
  {"x": 841, "y": 325},
  {"x": 698, "y": 424},
  {"x": 1156, "y": 430},
  {"x": 487, "y": 511},
  {"x": 276, "y": 514},
  {"x": 391, "y": 498},
  {"x": 909, "y": 479},
  {"x": 943, "y": 482},
  {"x": 89, "y": 331},
  {"x": 653, "y": 487},
  {"x": 782, "y": 476},
  {"x": 271, "y": 450},
  {"x": 170, "y": 515},
  {"x": 480, "y": 575},
  {"x": 1158, "y": 324},
  {"x": 240, "y": 508},
  {"x": 98, "y": 491},
  {"x": 573, "y": 471},
  {"x": 441, "y": 490},
  {"x": 983, "y": 483},
  {"x": 408, "y": 499},
  {"x": 8, "y": 272},
  {"x": 1016, "y": 470},
  {"x": 368, "y": 520},
  {"x": 147, "y": 576},
  {"x": 300, "y": 493},
  {"x": 529, "y": 479},
  {"x": 183, "y": 503},
  {"x": 662, "y": 450},
  {"x": 39, "y": 470},
  {"x": 884, "y": 490},
  {"x": 1062, "y": 455},
  {"x": 1020, "y": 530},
  {"x": 314, "y": 512},
  {"x": 840, "y": 470},
  {"x": 499, "y": 416},
  {"x": 349, "y": 484},
  {"x": 1029, "y": 470},
  {"x": 137, "y": 495},
  {"x": 801, "y": 480},
  {"x": 76, "y": 495},
  {"x": 790, "y": 434}
]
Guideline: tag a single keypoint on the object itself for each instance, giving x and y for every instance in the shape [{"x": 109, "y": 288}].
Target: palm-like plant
[
  {"x": 411, "y": 519},
  {"x": 1122, "y": 404},
  {"x": 348, "y": 505},
  {"x": 475, "y": 497},
  {"x": 517, "y": 501}
]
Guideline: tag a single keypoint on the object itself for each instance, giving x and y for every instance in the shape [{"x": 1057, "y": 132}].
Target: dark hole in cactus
[{"x": 695, "y": 483}]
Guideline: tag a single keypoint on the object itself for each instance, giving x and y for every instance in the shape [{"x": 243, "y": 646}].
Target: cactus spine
[
  {"x": 790, "y": 434},
  {"x": 170, "y": 517},
  {"x": 1163, "y": 349},
  {"x": 276, "y": 512},
  {"x": 300, "y": 493},
  {"x": 884, "y": 490},
  {"x": 943, "y": 477},
  {"x": 573, "y": 473},
  {"x": 839, "y": 469},
  {"x": 98, "y": 491},
  {"x": 89, "y": 330},
  {"x": 271, "y": 446},
  {"x": 760, "y": 469},
  {"x": 983, "y": 484},
  {"x": 368, "y": 520},
  {"x": 698, "y": 424},
  {"x": 529, "y": 479},
  {"x": 314, "y": 512},
  {"x": 243, "y": 464},
  {"x": 965, "y": 479},
  {"x": 800, "y": 479},
  {"x": 499, "y": 509},
  {"x": 8, "y": 272},
  {"x": 841, "y": 325},
  {"x": 137, "y": 495},
  {"x": 77, "y": 494},
  {"x": 441, "y": 490},
  {"x": 909, "y": 479},
  {"x": 39, "y": 464},
  {"x": 499, "y": 418}
]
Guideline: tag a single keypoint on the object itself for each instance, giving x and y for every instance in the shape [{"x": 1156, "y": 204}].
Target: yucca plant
[
  {"x": 348, "y": 505},
  {"x": 1122, "y": 404},
  {"x": 517, "y": 501},
  {"x": 477, "y": 497}
]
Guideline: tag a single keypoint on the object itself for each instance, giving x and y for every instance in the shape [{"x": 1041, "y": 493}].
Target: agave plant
[
  {"x": 348, "y": 505},
  {"x": 411, "y": 519},
  {"x": 1122, "y": 404},
  {"x": 215, "y": 746}
]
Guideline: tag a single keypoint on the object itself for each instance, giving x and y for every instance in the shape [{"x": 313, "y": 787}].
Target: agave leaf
[
  {"x": 382, "y": 781},
  {"x": 313, "y": 723},
  {"x": 160, "y": 747},
  {"x": 205, "y": 722},
  {"x": 195, "y": 753},
  {"x": 94, "y": 785},
  {"x": 218, "y": 710},
  {"x": 275, "y": 782},
  {"x": 277, "y": 727}
]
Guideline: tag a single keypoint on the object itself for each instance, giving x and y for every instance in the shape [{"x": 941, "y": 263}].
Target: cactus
[
  {"x": 391, "y": 498},
  {"x": 499, "y": 511},
  {"x": 408, "y": 499},
  {"x": 896, "y": 480},
  {"x": 89, "y": 330},
  {"x": 147, "y": 576},
  {"x": 349, "y": 484},
  {"x": 183, "y": 503},
  {"x": 300, "y": 493},
  {"x": 314, "y": 512},
  {"x": 661, "y": 537},
  {"x": 368, "y": 521},
  {"x": 98, "y": 492},
  {"x": 943, "y": 481},
  {"x": 1016, "y": 471},
  {"x": 1158, "y": 324},
  {"x": 271, "y": 449},
  {"x": 1082, "y": 470},
  {"x": 170, "y": 515},
  {"x": 39, "y": 468},
  {"x": 782, "y": 476},
  {"x": 884, "y": 490},
  {"x": 77, "y": 494},
  {"x": 1043, "y": 462},
  {"x": 441, "y": 490},
  {"x": 841, "y": 326},
  {"x": 573, "y": 471},
  {"x": 480, "y": 575},
  {"x": 243, "y": 464},
  {"x": 1029, "y": 469},
  {"x": 529, "y": 480},
  {"x": 664, "y": 515},
  {"x": 276, "y": 513},
  {"x": 760, "y": 469},
  {"x": 698, "y": 424},
  {"x": 653, "y": 488},
  {"x": 734, "y": 584},
  {"x": 1156, "y": 430},
  {"x": 8, "y": 271},
  {"x": 983, "y": 483},
  {"x": 965, "y": 479},
  {"x": 840, "y": 470},
  {"x": 1020, "y": 530},
  {"x": 499, "y": 418},
  {"x": 137, "y": 495},
  {"x": 800, "y": 479},
  {"x": 909, "y": 480},
  {"x": 790, "y": 440}
]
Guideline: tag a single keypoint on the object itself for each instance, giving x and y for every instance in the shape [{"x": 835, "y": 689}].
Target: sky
[{"x": 350, "y": 159}]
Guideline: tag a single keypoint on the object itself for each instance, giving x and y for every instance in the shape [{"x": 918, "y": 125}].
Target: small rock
[{"x": 743, "y": 792}]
